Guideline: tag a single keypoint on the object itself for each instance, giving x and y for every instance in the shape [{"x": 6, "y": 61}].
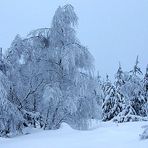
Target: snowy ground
[{"x": 103, "y": 135}]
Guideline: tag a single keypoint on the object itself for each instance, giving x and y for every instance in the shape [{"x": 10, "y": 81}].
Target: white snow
[{"x": 101, "y": 135}]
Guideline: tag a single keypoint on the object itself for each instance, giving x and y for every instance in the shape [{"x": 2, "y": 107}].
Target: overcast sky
[{"x": 113, "y": 30}]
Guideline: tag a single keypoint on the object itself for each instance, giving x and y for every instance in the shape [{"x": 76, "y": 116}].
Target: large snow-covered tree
[
  {"x": 72, "y": 64},
  {"x": 52, "y": 61}
]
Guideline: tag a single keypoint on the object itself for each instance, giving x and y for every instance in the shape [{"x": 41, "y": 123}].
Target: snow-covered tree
[
  {"x": 146, "y": 81},
  {"x": 145, "y": 89},
  {"x": 11, "y": 120},
  {"x": 119, "y": 77},
  {"x": 136, "y": 70},
  {"x": 52, "y": 61},
  {"x": 2, "y": 64},
  {"x": 113, "y": 104},
  {"x": 72, "y": 64},
  {"x": 88, "y": 106},
  {"x": 137, "y": 99},
  {"x": 132, "y": 90}
]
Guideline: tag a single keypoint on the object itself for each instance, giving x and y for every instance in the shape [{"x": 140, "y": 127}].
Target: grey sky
[{"x": 113, "y": 30}]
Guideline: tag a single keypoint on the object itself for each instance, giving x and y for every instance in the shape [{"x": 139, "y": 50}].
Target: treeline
[
  {"x": 48, "y": 78},
  {"x": 126, "y": 99}
]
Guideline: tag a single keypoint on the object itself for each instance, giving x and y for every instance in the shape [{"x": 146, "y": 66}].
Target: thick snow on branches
[
  {"x": 48, "y": 78},
  {"x": 50, "y": 75}
]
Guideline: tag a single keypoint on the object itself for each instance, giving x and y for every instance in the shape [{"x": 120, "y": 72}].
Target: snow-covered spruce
[{"x": 126, "y": 99}]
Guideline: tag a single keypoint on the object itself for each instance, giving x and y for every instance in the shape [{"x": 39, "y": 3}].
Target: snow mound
[
  {"x": 107, "y": 135},
  {"x": 65, "y": 126}
]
